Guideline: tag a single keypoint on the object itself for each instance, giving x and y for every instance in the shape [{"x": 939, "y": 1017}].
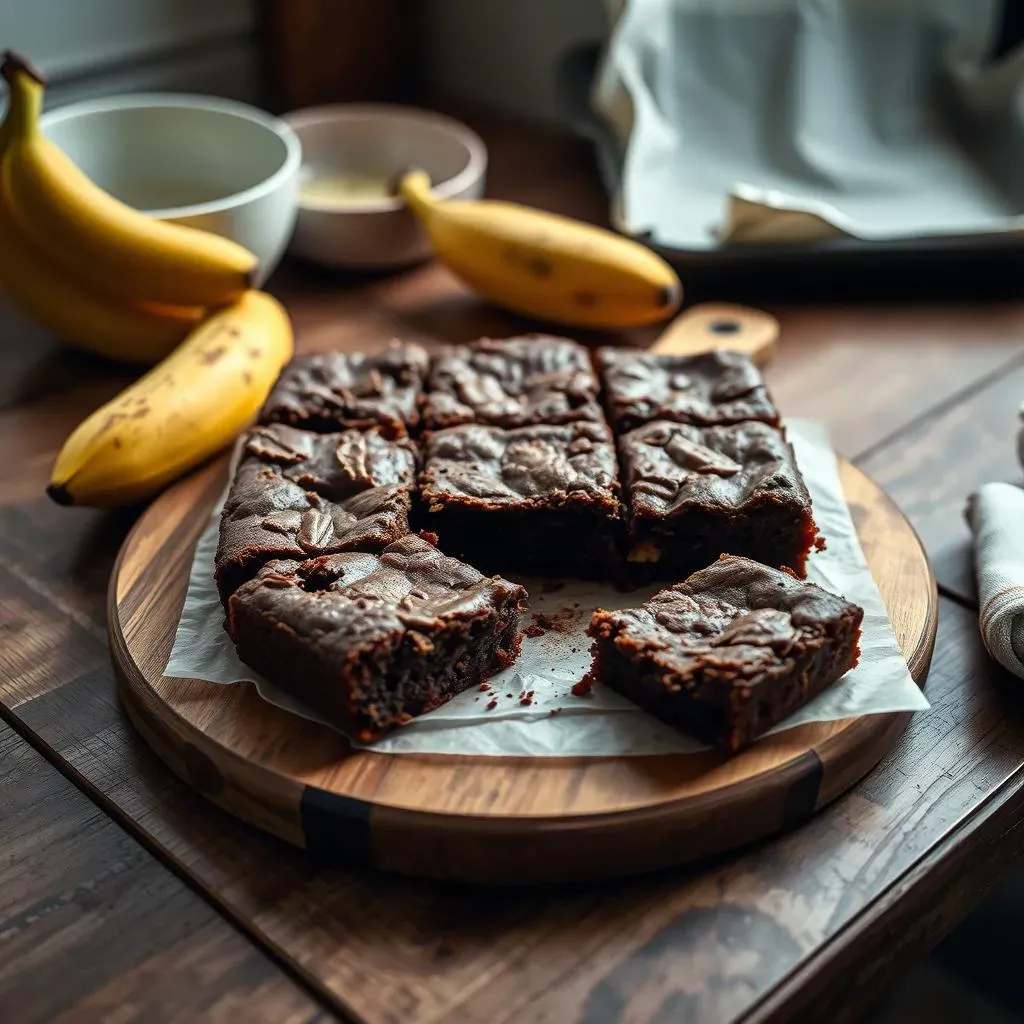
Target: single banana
[
  {"x": 119, "y": 251},
  {"x": 180, "y": 413},
  {"x": 544, "y": 265}
]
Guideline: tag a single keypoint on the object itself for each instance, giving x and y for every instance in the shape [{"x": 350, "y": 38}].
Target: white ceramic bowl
[
  {"x": 210, "y": 163},
  {"x": 378, "y": 142}
]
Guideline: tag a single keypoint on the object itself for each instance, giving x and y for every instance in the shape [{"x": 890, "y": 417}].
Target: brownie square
[
  {"x": 372, "y": 640},
  {"x": 729, "y": 652},
  {"x": 511, "y": 383},
  {"x": 693, "y": 493},
  {"x": 296, "y": 494},
  {"x": 541, "y": 499},
  {"x": 712, "y": 388},
  {"x": 329, "y": 391}
]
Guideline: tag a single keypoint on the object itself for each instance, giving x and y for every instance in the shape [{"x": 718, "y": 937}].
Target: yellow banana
[
  {"x": 80, "y": 316},
  {"x": 544, "y": 265},
  {"x": 183, "y": 411},
  {"x": 108, "y": 245},
  {"x": 143, "y": 334}
]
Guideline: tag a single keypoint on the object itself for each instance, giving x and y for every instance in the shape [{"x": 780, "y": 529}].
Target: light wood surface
[
  {"x": 480, "y": 818},
  {"x": 714, "y": 325}
]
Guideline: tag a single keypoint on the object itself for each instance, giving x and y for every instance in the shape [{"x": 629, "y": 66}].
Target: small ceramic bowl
[
  {"x": 353, "y": 145},
  {"x": 209, "y": 163}
]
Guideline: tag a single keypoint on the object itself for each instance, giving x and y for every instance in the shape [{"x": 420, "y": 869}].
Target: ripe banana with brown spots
[
  {"x": 543, "y": 265},
  {"x": 184, "y": 410}
]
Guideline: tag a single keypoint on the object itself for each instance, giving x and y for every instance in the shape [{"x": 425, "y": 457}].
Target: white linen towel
[{"x": 996, "y": 516}]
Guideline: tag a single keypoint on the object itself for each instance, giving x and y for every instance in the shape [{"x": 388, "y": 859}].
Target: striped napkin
[{"x": 996, "y": 517}]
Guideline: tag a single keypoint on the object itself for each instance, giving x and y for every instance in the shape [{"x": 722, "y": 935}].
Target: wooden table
[{"x": 123, "y": 892}]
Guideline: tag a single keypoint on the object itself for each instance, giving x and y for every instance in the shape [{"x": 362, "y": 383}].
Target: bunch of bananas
[{"x": 116, "y": 282}]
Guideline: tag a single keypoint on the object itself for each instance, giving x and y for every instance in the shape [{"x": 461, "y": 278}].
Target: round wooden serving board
[{"x": 482, "y": 819}]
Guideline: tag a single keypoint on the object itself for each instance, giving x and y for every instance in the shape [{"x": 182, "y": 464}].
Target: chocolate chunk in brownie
[
  {"x": 372, "y": 640},
  {"x": 297, "y": 494},
  {"x": 513, "y": 382},
  {"x": 730, "y": 652},
  {"x": 541, "y": 499},
  {"x": 329, "y": 391},
  {"x": 713, "y": 388},
  {"x": 693, "y": 493}
]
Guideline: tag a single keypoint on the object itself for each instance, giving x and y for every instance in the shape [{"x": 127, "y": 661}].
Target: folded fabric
[
  {"x": 791, "y": 120},
  {"x": 996, "y": 516}
]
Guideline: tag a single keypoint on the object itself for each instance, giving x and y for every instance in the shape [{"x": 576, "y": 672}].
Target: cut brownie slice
[
  {"x": 728, "y": 653},
  {"x": 330, "y": 391},
  {"x": 297, "y": 494},
  {"x": 540, "y": 499},
  {"x": 692, "y": 493},
  {"x": 370, "y": 641},
  {"x": 512, "y": 383},
  {"x": 713, "y": 388}
]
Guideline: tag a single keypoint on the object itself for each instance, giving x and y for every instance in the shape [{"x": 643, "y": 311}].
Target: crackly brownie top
[
  {"x": 711, "y": 388},
  {"x": 736, "y": 616},
  {"x": 669, "y": 468},
  {"x": 266, "y": 515},
  {"x": 334, "y": 390},
  {"x": 356, "y": 599},
  {"x": 511, "y": 383},
  {"x": 334, "y": 465},
  {"x": 543, "y": 466}
]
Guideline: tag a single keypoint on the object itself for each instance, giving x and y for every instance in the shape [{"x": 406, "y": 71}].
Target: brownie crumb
[
  {"x": 527, "y": 699},
  {"x": 584, "y": 686},
  {"x": 560, "y": 621},
  {"x": 430, "y": 538},
  {"x": 819, "y": 543},
  {"x": 484, "y": 687},
  {"x": 492, "y": 704},
  {"x": 534, "y": 631}
]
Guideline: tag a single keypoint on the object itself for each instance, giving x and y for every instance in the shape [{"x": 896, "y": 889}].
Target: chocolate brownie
[
  {"x": 512, "y": 383},
  {"x": 297, "y": 494},
  {"x": 330, "y": 391},
  {"x": 372, "y": 640},
  {"x": 713, "y": 388},
  {"x": 693, "y": 492},
  {"x": 541, "y": 499},
  {"x": 729, "y": 652}
]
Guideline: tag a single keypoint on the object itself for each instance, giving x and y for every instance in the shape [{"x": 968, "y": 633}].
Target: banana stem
[
  {"x": 415, "y": 190},
  {"x": 26, "y": 100}
]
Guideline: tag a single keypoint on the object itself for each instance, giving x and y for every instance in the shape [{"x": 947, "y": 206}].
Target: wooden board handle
[{"x": 714, "y": 325}]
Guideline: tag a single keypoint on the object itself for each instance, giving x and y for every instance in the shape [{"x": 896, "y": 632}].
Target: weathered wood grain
[
  {"x": 870, "y": 370},
  {"x": 92, "y": 926},
  {"x": 931, "y": 468},
  {"x": 715, "y": 942}
]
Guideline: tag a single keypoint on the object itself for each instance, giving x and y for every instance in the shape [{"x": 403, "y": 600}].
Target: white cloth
[
  {"x": 793, "y": 120},
  {"x": 996, "y": 516}
]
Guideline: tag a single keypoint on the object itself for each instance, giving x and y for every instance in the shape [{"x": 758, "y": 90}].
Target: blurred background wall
[{"x": 498, "y": 54}]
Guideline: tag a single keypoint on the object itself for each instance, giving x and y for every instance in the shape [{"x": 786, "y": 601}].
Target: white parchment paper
[{"x": 554, "y": 722}]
